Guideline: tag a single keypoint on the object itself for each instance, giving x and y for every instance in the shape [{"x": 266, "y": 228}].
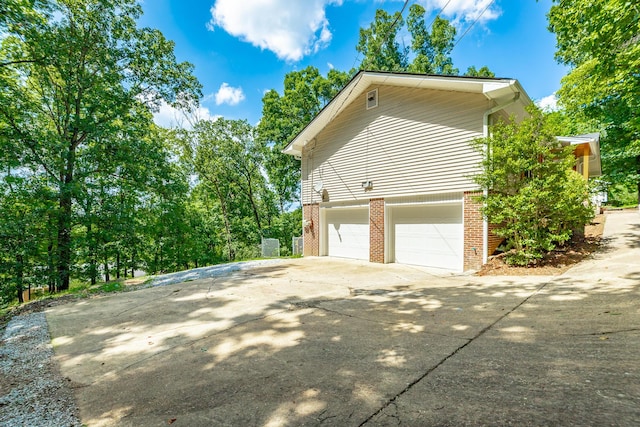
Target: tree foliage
[
  {"x": 534, "y": 198},
  {"x": 600, "y": 41},
  {"x": 378, "y": 44},
  {"x": 306, "y": 92},
  {"x": 91, "y": 76},
  {"x": 430, "y": 48}
]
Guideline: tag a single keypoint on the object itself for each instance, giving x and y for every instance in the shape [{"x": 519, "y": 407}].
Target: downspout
[{"x": 485, "y": 191}]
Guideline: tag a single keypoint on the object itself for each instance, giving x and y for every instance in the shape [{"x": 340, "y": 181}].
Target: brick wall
[
  {"x": 472, "y": 232},
  {"x": 376, "y": 230},
  {"x": 494, "y": 241},
  {"x": 311, "y": 234}
]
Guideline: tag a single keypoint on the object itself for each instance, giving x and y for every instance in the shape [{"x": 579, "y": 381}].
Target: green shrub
[{"x": 534, "y": 196}]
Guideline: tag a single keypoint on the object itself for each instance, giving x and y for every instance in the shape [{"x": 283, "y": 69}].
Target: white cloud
[
  {"x": 465, "y": 10},
  {"x": 290, "y": 29},
  {"x": 171, "y": 117},
  {"x": 548, "y": 103},
  {"x": 229, "y": 95}
]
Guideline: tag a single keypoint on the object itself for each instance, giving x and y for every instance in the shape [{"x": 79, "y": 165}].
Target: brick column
[
  {"x": 473, "y": 242},
  {"x": 311, "y": 233},
  {"x": 376, "y": 230}
]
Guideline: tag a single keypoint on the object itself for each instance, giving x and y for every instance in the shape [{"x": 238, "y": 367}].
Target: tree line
[{"x": 92, "y": 189}]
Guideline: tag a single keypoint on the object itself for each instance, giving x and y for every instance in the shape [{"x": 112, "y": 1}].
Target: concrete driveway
[{"x": 328, "y": 342}]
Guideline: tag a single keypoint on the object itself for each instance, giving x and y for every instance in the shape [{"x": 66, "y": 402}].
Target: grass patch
[
  {"x": 107, "y": 287},
  {"x": 617, "y": 208}
]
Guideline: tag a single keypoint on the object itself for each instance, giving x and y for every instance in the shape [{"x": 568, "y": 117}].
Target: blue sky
[{"x": 242, "y": 48}]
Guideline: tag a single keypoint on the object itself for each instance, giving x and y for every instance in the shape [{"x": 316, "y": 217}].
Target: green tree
[
  {"x": 89, "y": 70},
  {"x": 22, "y": 13},
  {"x": 429, "y": 52},
  {"x": 229, "y": 162},
  {"x": 23, "y": 204},
  {"x": 306, "y": 92},
  {"x": 482, "y": 72},
  {"x": 535, "y": 198},
  {"x": 432, "y": 50},
  {"x": 600, "y": 41},
  {"x": 379, "y": 46}
]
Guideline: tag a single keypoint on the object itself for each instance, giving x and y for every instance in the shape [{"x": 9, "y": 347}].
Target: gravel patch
[
  {"x": 32, "y": 392},
  {"x": 211, "y": 271}
]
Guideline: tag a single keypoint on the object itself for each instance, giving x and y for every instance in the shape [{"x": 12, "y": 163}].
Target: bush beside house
[{"x": 534, "y": 196}]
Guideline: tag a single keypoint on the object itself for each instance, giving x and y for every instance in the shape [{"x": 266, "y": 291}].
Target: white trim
[
  {"x": 426, "y": 199},
  {"x": 345, "y": 204}
]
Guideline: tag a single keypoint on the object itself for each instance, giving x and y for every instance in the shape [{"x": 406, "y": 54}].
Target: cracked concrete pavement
[{"x": 323, "y": 341}]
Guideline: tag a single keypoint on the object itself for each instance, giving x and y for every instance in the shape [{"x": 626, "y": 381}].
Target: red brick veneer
[
  {"x": 473, "y": 242},
  {"x": 376, "y": 230},
  {"x": 311, "y": 233}
]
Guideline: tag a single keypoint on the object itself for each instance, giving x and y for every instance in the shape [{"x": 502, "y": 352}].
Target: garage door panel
[
  {"x": 348, "y": 233},
  {"x": 428, "y": 235}
]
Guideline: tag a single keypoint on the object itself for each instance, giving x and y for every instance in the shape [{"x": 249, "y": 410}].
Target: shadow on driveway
[{"x": 329, "y": 342}]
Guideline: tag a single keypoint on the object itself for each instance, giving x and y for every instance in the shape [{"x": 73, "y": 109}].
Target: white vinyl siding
[{"x": 417, "y": 141}]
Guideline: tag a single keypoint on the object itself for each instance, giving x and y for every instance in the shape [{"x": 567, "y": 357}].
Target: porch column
[{"x": 585, "y": 161}]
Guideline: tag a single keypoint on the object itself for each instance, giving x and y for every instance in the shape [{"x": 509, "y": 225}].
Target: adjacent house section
[
  {"x": 587, "y": 152},
  {"x": 388, "y": 166}
]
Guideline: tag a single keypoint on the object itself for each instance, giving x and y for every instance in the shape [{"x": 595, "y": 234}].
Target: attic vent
[{"x": 372, "y": 99}]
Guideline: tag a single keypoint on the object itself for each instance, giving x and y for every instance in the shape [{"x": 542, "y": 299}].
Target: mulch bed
[{"x": 555, "y": 262}]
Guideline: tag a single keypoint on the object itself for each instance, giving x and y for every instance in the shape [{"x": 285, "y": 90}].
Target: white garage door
[
  {"x": 348, "y": 232},
  {"x": 430, "y": 236}
]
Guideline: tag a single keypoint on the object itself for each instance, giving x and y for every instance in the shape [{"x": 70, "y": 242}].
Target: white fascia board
[{"x": 503, "y": 91}]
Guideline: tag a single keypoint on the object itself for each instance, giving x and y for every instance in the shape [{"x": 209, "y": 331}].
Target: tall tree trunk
[
  {"x": 106, "y": 269},
  {"x": 256, "y": 215},
  {"x": 118, "y": 264},
  {"x": 64, "y": 219},
  {"x": 133, "y": 263},
  {"x": 281, "y": 204},
  {"x": 225, "y": 215},
  {"x": 638, "y": 165},
  {"x": 93, "y": 257},
  {"x": 19, "y": 277},
  {"x": 64, "y": 240},
  {"x": 51, "y": 276}
]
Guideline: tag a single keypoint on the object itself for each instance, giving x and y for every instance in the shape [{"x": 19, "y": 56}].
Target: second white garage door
[
  {"x": 428, "y": 235},
  {"x": 348, "y": 232}
]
